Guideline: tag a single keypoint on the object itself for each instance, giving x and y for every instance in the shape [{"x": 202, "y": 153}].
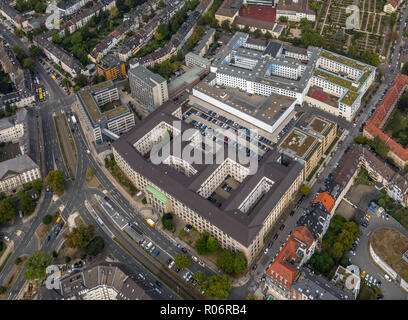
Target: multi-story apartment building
[
  {"x": 147, "y": 87},
  {"x": 69, "y": 7},
  {"x": 304, "y": 147},
  {"x": 111, "y": 68},
  {"x": 240, "y": 219},
  {"x": 193, "y": 59},
  {"x": 103, "y": 112}
]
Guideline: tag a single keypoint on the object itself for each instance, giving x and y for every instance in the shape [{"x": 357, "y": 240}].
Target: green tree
[
  {"x": 47, "y": 219},
  {"x": 36, "y": 265},
  {"x": 225, "y": 261},
  {"x": 305, "y": 189},
  {"x": 55, "y": 37},
  {"x": 337, "y": 251},
  {"x": 405, "y": 67},
  {"x": 167, "y": 221},
  {"x": 37, "y": 185},
  {"x": 25, "y": 203},
  {"x": 126, "y": 87},
  {"x": 67, "y": 259},
  {"x": 226, "y": 25},
  {"x": 29, "y": 64},
  {"x": 35, "y": 51},
  {"x": 199, "y": 277},
  {"x": 76, "y": 39},
  {"x": 56, "y": 181},
  {"x": 7, "y": 209},
  {"x": 234, "y": 27},
  {"x": 182, "y": 261},
  {"x": 201, "y": 244},
  {"x": 379, "y": 147},
  {"x": 95, "y": 246},
  {"x": 161, "y": 4},
  {"x": 251, "y": 297},
  {"x": 81, "y": 80},
  {"x": 283, "y": 19},
  {"x": 360, "y": 140},
  {"x": 212, "y": 245},
  {"x": 18, "y": 32},
  {"x": 240, "y": 263},
  {"x": 162, "y": 32},
  {"x": 3, "y": 289},
  {"x": 216, "y": 287},
  {"x": 17, "y": 261},
  {"x": 79, "y": 237},
  {"x": 113, "y": 13},
  {"x": 257, "y": 33},
  {"x": 268, "y": 35}
]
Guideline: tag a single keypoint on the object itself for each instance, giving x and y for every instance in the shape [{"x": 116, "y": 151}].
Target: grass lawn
[{"x": 364, "y": 178}]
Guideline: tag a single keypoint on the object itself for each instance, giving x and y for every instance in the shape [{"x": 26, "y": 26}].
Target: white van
[
  {"x": 148, "y": 246},
  {"x": 171, "y": 264}
]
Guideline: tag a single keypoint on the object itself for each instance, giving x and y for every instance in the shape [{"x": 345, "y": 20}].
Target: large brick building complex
[{"x": 374, "y": 126}]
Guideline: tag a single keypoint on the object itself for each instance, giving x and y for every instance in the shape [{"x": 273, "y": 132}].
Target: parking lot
[{"x": 359, "y": 255}]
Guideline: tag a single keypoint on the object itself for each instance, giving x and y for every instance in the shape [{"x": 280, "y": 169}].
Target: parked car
[
  {"x": 387, "y": 277},
  {"x": 282, "y": 227},
  {"x": 275, "y": 236}
]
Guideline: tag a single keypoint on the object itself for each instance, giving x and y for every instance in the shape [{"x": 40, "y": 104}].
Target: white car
[
  {"x": 6, "y": 238},
  {"x": 387, "y": 277},
  {"x": 266, "y": 251}
]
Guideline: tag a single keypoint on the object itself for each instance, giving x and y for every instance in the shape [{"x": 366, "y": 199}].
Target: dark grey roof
[
  {"x": 313, "y": 219},
  {"x": 243, "y": 227},
  {"x": 16, "y": 166},
  {"x": 272, "y": 48}
]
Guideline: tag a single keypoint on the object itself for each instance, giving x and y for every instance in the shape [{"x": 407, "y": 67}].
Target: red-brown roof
[
  {"x": 326, "y": 199},
  {"x": 282, "y": 266},
  {"x": 373, "y": 125},
  {"x": 394, "y": 3}
]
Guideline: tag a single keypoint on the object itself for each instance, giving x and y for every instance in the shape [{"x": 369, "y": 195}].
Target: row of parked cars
[{"x": 149, "y": 246}]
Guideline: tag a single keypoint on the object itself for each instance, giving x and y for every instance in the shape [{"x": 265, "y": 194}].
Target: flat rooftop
[
  {"x": 318, "y": 124},
  {"x": 93, "y": 110},
  {"x": 318, "y": 94},
  {"x": 299, "y": 142},
  {"x": 267, "y": 109}
]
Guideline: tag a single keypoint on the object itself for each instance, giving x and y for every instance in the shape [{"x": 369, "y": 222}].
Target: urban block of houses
[
  {"x": 12, "y": 15},
  {"x": 393, "y": 182},
  {"x": 375, "y": 125},
  {"x": 22, "y": 79},
  {"x": 59, "y": 56}
]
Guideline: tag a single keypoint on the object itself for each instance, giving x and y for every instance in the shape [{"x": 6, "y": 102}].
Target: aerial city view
[{"x": 204, "y": 150}]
